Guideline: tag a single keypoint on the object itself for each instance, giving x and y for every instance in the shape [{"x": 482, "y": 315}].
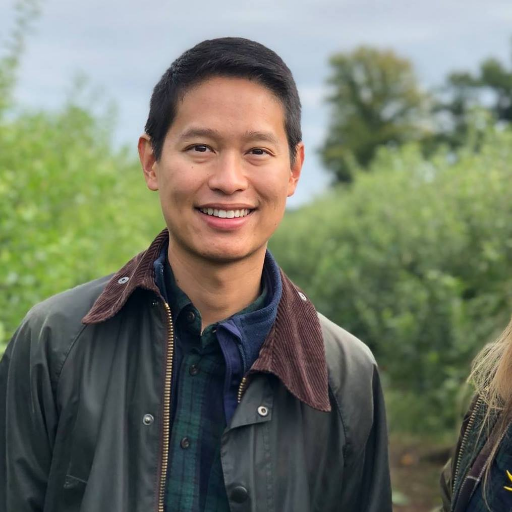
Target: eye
[
  {"x": 199, "y": 148},
  {"x": 258, "y": 151}
]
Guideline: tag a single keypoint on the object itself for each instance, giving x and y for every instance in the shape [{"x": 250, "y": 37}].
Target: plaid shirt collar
[{"x": 293, "y": 351}]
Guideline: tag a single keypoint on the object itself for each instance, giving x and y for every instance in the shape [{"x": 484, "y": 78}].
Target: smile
[{"x": 225, "y": 214}]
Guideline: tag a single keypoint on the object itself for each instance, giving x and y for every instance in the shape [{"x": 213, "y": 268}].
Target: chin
[
  {"x": 224, "y": 256},
  {"x": 216, "y": 250},
  {"x": 227, "y": 254}
]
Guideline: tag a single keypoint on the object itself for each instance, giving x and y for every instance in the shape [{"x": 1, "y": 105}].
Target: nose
[{"x": 228, "y": 176}]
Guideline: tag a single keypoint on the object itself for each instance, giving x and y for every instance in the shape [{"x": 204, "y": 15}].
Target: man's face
[{"x": 224, "y": 173}]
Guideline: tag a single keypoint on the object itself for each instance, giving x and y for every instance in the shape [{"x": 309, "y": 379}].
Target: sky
[{"x": 124, "y": 46}]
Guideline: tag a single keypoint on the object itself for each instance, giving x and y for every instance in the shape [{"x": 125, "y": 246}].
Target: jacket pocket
[
  {"x": 72, "y": 494},
  {"x": 81, "y": 453}
]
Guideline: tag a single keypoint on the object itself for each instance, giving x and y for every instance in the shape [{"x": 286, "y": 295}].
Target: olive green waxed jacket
[{"x": 83, "y": 409}]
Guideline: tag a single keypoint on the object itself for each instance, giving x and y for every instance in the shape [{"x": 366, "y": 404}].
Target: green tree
[
  {"x": 72, "y": 206},
  {"x": 375, "y": 100},
  {"x": 13, "y": 46},
  {"x": 490, "y": 88},
  {"x": 453, "y": 109},
  {"x": 495, "y": 77}
]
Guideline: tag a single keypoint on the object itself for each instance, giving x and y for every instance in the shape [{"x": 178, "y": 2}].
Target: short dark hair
[{"x": 229, "y": 57}]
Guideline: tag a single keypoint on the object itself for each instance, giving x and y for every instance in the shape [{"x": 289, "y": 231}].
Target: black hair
[{"x": 230, "y": 57}]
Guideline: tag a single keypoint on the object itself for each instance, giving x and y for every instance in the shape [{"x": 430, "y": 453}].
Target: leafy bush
[
  {"x": 71, "y": 207},
  {"x": 415, "y": 260}
]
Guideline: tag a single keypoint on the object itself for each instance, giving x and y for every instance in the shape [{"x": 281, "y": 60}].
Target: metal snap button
[
  {"x": 239, "y": 494},
  {"x": 302, "y": 296},
  {"x": 262, "y": 411},
  {"x": 185, "y": 443},
  {"x": 191, "y": 316},
  {"x": 123, "y": 280},
  {"x": 148, "y": 419},
  {"x": 193, "y": 370}
]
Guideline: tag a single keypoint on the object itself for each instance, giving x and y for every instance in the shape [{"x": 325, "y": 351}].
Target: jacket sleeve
[
  {"x": 357, "y": 393},
  {"x": 28, "y": 418},
  {"x": 446, "y": 487},
  {"x": 376, "y": 484}
]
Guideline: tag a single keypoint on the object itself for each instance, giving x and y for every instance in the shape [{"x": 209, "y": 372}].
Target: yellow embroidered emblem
[{"x": 510, "y": 478}]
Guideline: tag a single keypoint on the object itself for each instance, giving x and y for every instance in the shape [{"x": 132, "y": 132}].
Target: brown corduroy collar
[{"x": 293, "y": 351}]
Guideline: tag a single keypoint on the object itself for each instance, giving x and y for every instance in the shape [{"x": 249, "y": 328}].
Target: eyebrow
[
  {"x": 264, "y": 136},
  {"x": 199, "y": 132},
  {"x": 248, "y": 136}
]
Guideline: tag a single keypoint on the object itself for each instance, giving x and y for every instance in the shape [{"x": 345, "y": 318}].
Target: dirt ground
[{"x": 415, "y": 469}]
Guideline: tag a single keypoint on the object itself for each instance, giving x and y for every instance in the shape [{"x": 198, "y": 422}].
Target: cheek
[
  {"x": 180, "y": 186},
  {"x": 273, "y": 185}
]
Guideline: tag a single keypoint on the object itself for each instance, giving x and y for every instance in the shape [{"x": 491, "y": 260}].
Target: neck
[{"x": 217, "y": 290}]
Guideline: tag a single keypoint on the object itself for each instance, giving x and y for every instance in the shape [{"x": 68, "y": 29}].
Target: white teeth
[{"x": 225, "y": 214}]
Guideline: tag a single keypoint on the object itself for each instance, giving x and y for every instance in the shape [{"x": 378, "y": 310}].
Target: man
[{"x": 198, "y": 377}]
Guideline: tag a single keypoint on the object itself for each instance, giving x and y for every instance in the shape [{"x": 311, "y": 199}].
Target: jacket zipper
[
  {"x": 241, "y": 389},
  {"x": 167, "y": 408},
  {"x": 464, "y": 441}
]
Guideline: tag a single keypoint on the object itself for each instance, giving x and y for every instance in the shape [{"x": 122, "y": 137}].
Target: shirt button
[
  {"x": 185, "y": 443},
  {"x": 239, "y": 494},
  {"x": 191, "y": 316},
  {"x": 193, "y": 370}
]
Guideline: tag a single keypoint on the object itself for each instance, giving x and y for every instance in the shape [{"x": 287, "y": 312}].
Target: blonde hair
[
  {"x": 491, "y": 375},
  {"x": 492, "y": 370}
]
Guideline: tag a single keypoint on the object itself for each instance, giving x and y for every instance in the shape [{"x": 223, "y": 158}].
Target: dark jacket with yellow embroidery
[
  {"x": 463, "y": 486},
  {"x": 84, "y": 408}
]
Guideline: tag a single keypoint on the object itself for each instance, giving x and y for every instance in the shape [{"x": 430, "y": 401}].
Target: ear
[
  {"x": 296, "y": 168},
  {"x": 148, "y": 161}
]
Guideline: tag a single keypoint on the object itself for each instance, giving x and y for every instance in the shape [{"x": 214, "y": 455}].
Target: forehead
[{"x": 226, "y": 102}]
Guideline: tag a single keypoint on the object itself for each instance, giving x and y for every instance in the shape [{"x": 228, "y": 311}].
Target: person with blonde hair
[{"x": 479, "y": 476}]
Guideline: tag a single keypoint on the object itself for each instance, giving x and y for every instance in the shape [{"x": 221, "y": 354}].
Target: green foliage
[
  {"x": 71, "y": 207},
  {"x": 415, "y": 260},
  {"x": 490, "y": 87},
  {"x": 26, "y": 12},
  {"x": 375, "y": 100},
  {"x": 453, "y": 108},
  {"x": 495, "y": 76}
]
